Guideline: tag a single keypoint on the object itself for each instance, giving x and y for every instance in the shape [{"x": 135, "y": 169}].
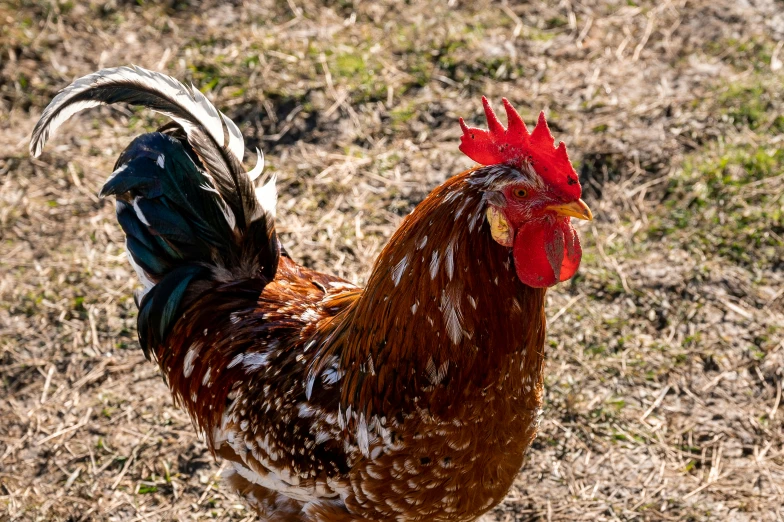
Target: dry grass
[{"x": 665, "y": 361}]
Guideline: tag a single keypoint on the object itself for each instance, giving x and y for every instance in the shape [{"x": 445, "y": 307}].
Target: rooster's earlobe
[{"x": 499, "y": 227}]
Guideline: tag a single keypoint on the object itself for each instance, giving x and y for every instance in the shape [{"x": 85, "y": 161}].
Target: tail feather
[
  {"x": 172, "y": 197},
  {"x": 160, "y": 308},
  {"x": 213, "y": 136},
  {"x": 156, "y": 165},
  {"x": 177, "y": 231},
  {"x": 146, "y": 248},
  {"x": 190, "y": 213}
]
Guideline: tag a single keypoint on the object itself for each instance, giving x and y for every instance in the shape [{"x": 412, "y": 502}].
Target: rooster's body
[{"x": 412, "y": 399}]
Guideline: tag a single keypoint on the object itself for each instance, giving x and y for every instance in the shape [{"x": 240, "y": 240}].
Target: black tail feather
[
  {"x": 160, "y": 308},
  {"x": 188, "y": 209},
  {"x": 178, "y": 230}
]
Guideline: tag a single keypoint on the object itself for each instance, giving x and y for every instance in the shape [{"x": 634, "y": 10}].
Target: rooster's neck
[{"x": 443, "y": 312}]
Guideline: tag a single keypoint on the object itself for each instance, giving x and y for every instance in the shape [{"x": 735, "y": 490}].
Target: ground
[{"x": 665, "y": 353}]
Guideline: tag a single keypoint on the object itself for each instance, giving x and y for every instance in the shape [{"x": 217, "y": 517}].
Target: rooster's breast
[{"x": 445, "y": 468}]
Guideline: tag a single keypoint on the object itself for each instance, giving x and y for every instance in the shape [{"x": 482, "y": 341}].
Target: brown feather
[{"x": 380, "y": 402}]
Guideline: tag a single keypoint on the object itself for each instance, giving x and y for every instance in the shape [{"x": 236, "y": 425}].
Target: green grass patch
[
  {"x": 727, "y": 205},
  {"x": 361, "y": 73},
  {"x": 755, "y": 51},
  {"x": 753, "y": 106}
]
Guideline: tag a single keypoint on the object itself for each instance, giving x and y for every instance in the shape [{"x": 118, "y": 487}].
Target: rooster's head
[{"x": 532, "y": 192}]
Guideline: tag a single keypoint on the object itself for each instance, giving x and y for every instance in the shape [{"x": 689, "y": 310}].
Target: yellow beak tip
[
  {"x": 576, "y": 209},
  {"x": 588, "y": 214}
]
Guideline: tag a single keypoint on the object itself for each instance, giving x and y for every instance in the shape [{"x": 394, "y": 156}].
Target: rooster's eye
[{"x": 520, "y": 193}]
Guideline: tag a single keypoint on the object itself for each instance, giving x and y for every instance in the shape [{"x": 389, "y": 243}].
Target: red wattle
[{"x": 546, "y": 252}]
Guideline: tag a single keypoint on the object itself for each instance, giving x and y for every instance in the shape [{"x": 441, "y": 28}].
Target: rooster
[{"x": 412, "y": 399}]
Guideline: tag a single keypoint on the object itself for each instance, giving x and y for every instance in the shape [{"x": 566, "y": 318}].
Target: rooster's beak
[{"x": 576, "y": 209}]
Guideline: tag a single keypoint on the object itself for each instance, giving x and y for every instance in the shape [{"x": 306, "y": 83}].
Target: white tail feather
[
  {"x": 236, "y": 143},
  {"x": 267, "y": 195},
  {"x": 140, "y": 273},
  {"x": 66, "y": 104},
  {"x": 36, "y": 146},
  {"x": 259, "y": 168}
]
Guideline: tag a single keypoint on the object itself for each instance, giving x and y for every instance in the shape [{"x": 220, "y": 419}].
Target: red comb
[{"x": 514, "y": 144}]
